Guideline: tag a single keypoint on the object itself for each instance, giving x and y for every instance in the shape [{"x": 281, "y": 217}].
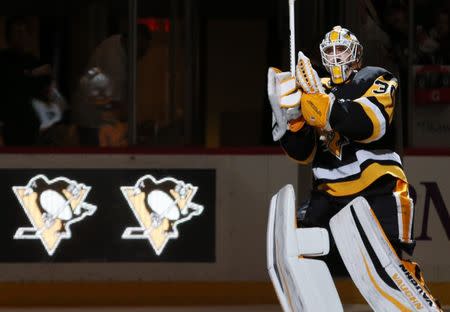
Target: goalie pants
[{"x": 389, "y": 199}]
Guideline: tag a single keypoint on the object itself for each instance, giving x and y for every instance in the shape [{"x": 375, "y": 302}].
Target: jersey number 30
[{"x": 383, "y": 87}]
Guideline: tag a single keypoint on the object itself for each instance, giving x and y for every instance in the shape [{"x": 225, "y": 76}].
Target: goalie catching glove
[
  {"x": 284, "y": 97},
  {"x": 307, "y": 78},
  {"x": 316, "y": 105},
  {"x": 316, "y": 108}
]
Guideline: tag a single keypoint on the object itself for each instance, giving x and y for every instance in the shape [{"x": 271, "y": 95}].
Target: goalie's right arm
[
  {"x": 297, "y": 138},
  {"x": 300, "y": 145}
]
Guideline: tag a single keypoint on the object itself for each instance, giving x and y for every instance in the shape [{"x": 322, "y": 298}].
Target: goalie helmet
[{"x": 341, "y": 53}]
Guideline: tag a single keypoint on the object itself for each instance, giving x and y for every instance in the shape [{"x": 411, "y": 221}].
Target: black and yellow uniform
[{"x": 357, "y": 157}]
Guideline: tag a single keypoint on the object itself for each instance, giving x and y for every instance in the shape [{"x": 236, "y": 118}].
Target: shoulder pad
[
  {"x": 361, "y": 82},
  {"x": 370, "y": 73}
]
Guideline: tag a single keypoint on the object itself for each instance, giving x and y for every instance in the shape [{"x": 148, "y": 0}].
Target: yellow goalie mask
[{"x": 341, "y": 53}]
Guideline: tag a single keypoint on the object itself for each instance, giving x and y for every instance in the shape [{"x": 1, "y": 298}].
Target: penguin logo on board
[
  {"x": 52, "y": 206},
  {"x": 159, "y": 206}
]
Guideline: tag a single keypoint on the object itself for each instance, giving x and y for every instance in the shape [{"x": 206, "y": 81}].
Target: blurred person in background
[
  {"x": 97, "y": 91},
  {"x": 110, "y": 58},
  {"x": 440, "y": 33},
  {"x": 432, "y": 39},
  {"x": 23, "y": 77},
  {"x": 51, "y": 108},
  {"x": 397, "y": 26},
  {"x": 374, "y": 37}
]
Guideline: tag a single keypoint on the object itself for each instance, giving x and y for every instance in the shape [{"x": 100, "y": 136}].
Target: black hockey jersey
[{"x": 360, "y": 148}]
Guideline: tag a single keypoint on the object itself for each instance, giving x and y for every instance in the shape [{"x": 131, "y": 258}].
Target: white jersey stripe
[
  {"x": 400, "y": 219},
  {"x": 354, "y": 167},
  {"x": 376, "y": 110}
]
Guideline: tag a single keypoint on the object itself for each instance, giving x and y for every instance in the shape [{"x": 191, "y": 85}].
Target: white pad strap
[
  {"x": 279, "y": 119},
  {"x": 373, "y": 264},
  {"x": 301, "y": 284}
]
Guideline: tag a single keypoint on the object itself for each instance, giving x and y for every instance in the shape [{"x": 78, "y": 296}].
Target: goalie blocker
[{"x": 303, "y": 283}]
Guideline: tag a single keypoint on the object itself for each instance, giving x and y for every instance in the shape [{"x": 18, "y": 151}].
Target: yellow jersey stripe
[
  {"x": 367, "y": 177},
  {"x": 357, "y": 166},
  {"x": 405, "y": 213},
  {"x": 381, "y": 89}
]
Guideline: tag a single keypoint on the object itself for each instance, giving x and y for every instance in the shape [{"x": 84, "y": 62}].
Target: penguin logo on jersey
[
  {"x": 52, "y": 206},
  {"x": 159, "y": 206},
  {"x": 334, "y": 142}
]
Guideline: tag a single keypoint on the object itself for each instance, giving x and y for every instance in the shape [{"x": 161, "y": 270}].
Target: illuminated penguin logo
[
  {"x": 52, "y": 206},
  {"x": 159, "y": 206}
]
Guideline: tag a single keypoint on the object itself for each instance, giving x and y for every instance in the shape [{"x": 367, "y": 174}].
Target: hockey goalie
[{"x": 360, "y": 203}]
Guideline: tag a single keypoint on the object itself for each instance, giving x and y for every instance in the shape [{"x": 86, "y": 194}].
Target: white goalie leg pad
[
  {"x": 373, "y": 264},
  {"x": 301, "y": 284}
]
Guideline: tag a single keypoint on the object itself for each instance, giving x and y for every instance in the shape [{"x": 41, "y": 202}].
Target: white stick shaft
[{"x": 292, "y": 35}]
